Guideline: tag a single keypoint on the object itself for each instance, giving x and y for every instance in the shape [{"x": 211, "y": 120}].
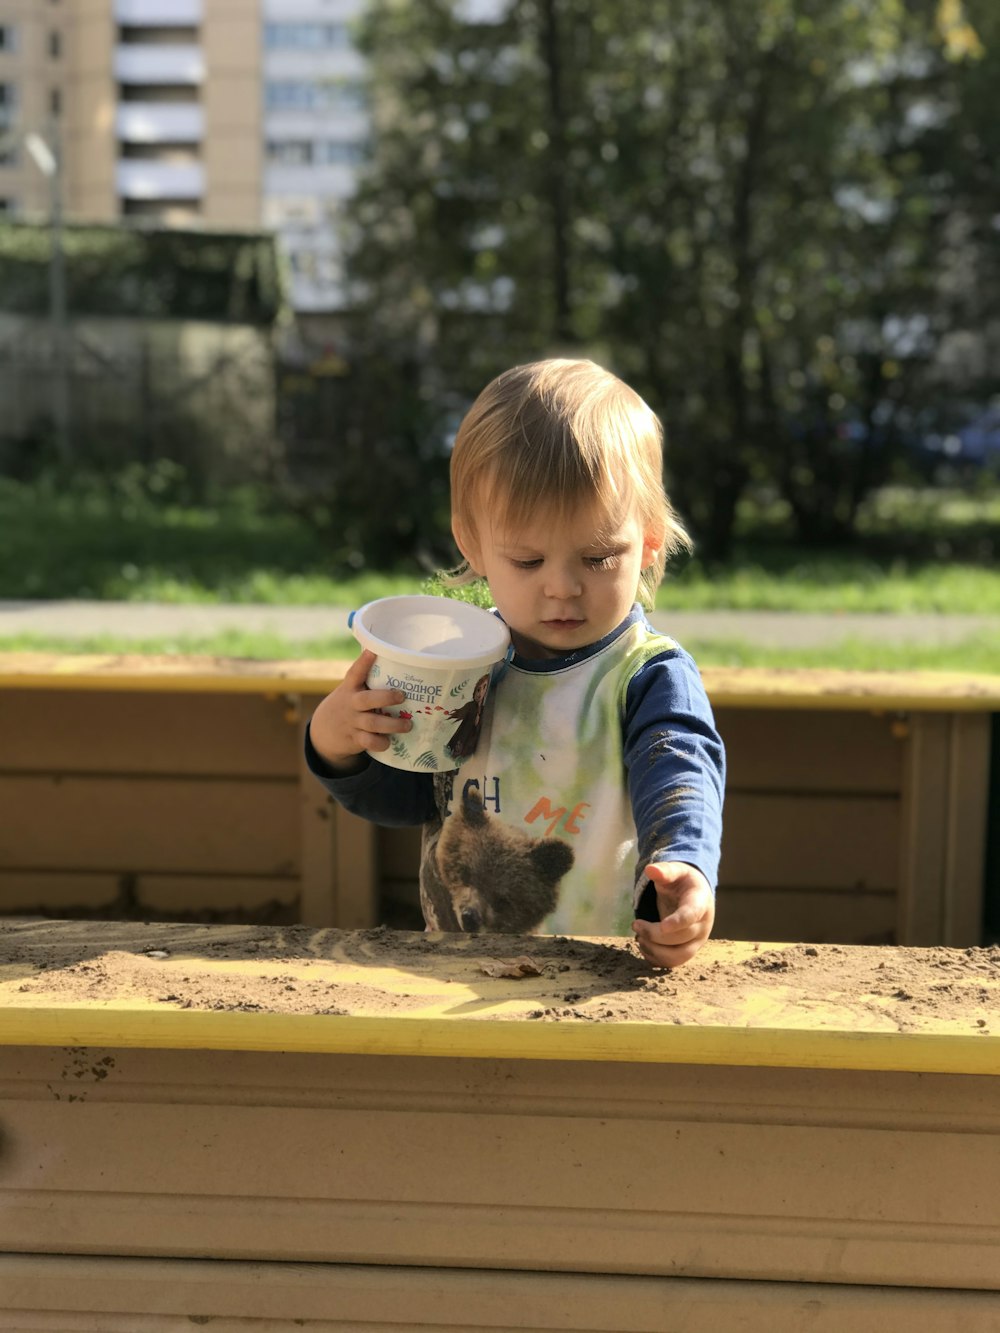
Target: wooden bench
[{"x": 857, "y": 805}]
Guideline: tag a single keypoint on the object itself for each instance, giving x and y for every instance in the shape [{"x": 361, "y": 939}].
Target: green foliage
[
  {"x": 752, "y": 211},
  {"x": 227, "y": 277},
  {"x": 144, "y": 535},
  {"x": 381, "y": 489},
  {"x": 139, "y": 534}
]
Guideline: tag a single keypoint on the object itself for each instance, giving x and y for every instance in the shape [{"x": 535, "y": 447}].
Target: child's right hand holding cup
[{"x": 348, "y": 721}]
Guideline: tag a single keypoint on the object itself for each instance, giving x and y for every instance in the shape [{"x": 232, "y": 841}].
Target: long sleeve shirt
[{"x": 611, "y": 751}]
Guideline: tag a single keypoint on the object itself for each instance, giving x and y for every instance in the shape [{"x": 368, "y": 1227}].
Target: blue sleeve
[
  {"x": 384, "y": 795},
  {"x": 676, "y": 765}
]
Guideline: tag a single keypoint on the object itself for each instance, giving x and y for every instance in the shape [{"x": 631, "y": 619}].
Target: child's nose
[{"x": 562, "y": 583}]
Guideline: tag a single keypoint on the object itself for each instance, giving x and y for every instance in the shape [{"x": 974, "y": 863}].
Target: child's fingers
[
  {"x": 357, "y": 673},
  {"x": 682, "y": 922},
  {"x": 364, "y": 699},
  {"x": 660, "y": 954}
]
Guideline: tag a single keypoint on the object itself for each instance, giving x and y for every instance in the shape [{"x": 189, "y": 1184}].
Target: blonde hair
[{"x": 556, "y": 435}]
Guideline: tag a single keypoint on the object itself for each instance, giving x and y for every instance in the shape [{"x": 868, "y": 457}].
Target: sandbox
[{"x": 263, "y": 1126}]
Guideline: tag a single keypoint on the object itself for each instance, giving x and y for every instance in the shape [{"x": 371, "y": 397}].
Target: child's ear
[
  {"x": 466, "y": 542},
  {"x": 652, "y": 544}
]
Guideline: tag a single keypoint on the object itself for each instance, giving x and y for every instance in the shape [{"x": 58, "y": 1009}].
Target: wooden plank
[
  {"x": 796, "y": 881},
  {"x": 836, "y": 690},
  {"x": 106, "y": 731},
  {"x": 802, "y": 1178},
  {"x": 735, "y": 687},
  {"x": 807, "y": 915},
  {"x": 967, "y": 816},
  {"x": 339, "y": 867},
  {"x": 924, "y": 831},
  {"x": 29, "y": 892},
  {"x": 803, "y": 751},
  {"x": 356, "y": 877},
  {"x": 173, "y": 674},
  {"x": 399, "y": 853},
  {"x": 145, "y": 825},
  {"x": 220, "y": 893},
  {"x": 150, "y": 1295},
  {"x": 810, "y": 842},
  {"x": 32, "y": 891},
  {"x": 773, "y": 842},
  {"x": 318, "y": 839},
  {"x": 743, "y": 914}
]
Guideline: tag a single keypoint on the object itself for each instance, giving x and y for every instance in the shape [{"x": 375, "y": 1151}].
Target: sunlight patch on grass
[
  {"x": 979, "y": 653},
  {"x": 227, "y": 643},
  {"x": 836, "y": 585}
]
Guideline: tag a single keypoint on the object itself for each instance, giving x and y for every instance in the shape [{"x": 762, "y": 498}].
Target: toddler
[{"x": 593, "y": 801}]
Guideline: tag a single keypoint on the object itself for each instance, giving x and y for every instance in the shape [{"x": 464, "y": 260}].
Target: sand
[{"x": 381, "y": 972}]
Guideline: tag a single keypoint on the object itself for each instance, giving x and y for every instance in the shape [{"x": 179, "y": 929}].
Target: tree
[{"x": 728, "y": 204}]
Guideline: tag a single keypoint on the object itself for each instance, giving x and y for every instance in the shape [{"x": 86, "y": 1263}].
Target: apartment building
[{"x": 215, "y": 113}]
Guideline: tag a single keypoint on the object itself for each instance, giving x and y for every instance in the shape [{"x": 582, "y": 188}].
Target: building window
[
  {"x": 315, "y": 95},
  {"x": 338, "y": 152},
  {"x": 7, "y": 206},
  {"x": 55, "y": 44},
  {"x": 306, "y": 36},
  {"x": 55, "y": 101},
  {"x": 322, "y": 152},
  {"x": 9, "y": 156},
  {"x": 293, "y": 153},
  {"x": 8, "y": 105},
  {"x": 8, "y": 37}
]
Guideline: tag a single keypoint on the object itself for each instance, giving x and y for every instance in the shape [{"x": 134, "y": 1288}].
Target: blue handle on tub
[{"x": 350, "y": 619}]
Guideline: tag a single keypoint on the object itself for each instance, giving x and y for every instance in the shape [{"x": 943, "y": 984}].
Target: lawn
[
  {"x": 978, "y": 653},
  {"x": 916, "y": 551},
  {"x": 136, "y": 538}
]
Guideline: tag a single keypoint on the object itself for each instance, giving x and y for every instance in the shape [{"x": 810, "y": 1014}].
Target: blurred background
[{"x": 258, "y": 256}]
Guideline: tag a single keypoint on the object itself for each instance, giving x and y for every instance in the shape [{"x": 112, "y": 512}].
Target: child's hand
[
  {"x": 686, "y": 905},
  {"x": 348, "y": 722}
]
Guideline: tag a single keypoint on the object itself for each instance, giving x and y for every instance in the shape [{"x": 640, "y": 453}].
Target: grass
[
  {"x": 979, "y": 653},
  {"x": 136, "y": 538}
]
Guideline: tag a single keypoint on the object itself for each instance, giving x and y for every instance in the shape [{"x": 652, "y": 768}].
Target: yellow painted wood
[
  {"x": 771, "y": 1174},
  {"x": 103, "y": 671},
  {"x": 736, "y": 687},
  {"x": 126, "y": 1025},
  {"x": 95, "y": 1294}
]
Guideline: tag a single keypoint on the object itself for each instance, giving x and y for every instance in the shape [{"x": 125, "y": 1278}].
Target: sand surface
[{"x": 296, "y": 970}]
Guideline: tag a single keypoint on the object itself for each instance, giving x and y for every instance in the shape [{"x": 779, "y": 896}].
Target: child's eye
[
  {"x": 607, "y": 561},
  {"x": 526, "y": 564}
]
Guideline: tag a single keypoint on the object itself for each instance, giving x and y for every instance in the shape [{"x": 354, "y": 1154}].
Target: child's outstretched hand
[
  {"x": 686, "y": 905},
  {"x": 347, "y": 722}
]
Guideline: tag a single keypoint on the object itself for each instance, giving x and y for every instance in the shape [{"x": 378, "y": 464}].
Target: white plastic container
[{"x": 441, "y": 654}]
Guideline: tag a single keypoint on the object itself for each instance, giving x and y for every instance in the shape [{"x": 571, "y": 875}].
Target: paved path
[{"x": 299, "y": 624}]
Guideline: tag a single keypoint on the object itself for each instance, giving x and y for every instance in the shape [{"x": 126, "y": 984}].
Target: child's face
[{"x": 561, "y": 583}]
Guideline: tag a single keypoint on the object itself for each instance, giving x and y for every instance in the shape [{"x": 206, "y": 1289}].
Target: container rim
[{"x": 431, "y": 661}]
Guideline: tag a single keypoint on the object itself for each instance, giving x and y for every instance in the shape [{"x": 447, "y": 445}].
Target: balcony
[
  {"x": 312, "y": 11},
  {"x": 160, "y": 122},
  {"x": 159, "y": 64},
  {"x": 325, "y": 182},
  {"x": 159, "y": 13},
  {"x": 136, "y": 179}
]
